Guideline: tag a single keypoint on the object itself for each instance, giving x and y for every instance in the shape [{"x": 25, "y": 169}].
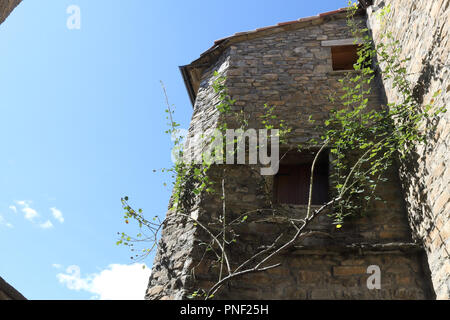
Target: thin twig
[
  {"x": 212, "y": 235},
  {"x": 258, "y": 267},
  {"x": 224, "y": 226},
  {"x": 312, "y": 178}
]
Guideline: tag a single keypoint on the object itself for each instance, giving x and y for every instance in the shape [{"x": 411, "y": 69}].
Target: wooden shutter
[
  {"x": 293, "y": 181},
  {"x": 344, "y": 57}
]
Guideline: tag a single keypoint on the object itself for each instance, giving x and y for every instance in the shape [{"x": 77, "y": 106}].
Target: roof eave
[
  {"x": 210, "y": 55},
  {"x": 188, "y": 83}
]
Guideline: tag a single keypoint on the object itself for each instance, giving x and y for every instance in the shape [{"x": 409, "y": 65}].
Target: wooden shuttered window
[
  {"x": 344, "y": 57},
  {"x": 293, "y": 180}
]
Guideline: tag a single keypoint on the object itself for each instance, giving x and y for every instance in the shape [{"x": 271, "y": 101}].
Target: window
[
  {"x": 344, "y": 57},
  {"x": 291, "y": 184}
]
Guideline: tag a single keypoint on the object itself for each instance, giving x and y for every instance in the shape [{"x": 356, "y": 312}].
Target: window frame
[
  {"x": 321, "y": 192},
  {"x": 340, "y": 43}
]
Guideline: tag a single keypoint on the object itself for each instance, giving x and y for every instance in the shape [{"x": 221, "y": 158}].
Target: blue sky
[{"x": 82, "y": 124}]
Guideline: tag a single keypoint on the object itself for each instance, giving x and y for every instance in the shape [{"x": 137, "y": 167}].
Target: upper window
[
  {"x": 344, "y": 57},
  {"x": 292, "y": 181}
]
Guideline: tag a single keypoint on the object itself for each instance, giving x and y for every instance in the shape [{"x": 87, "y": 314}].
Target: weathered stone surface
[
  {"x": 7, "y": 292},
  {"x": 291, "y": 70},
  {"x": 422, "y": 28},
  {"x": 6, "y": 6},
  {"x": 349, "y": 270}
]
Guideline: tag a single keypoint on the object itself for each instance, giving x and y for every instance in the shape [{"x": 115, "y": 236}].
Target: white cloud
[
  {"x": 116, "y": 282},
  {"x": 5, "y": 223},
  {"x": 46, "y": 225},
  {"x": 23, "y": 203},
  {"x": 73, "y": 280},
  {"x": 57, "y": 214},
  {"x": 30, "y": 213},
  {"x": 56, "y": 266}
]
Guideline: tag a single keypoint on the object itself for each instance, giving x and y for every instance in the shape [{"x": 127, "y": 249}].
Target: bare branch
[
  {"x": 311, "y": 183},
  {"x": 219, "y": 284},
  {"x": 258, "y": 267},
  {"x": 212, "y": 235},
  {"x": 224, "y": 225}
]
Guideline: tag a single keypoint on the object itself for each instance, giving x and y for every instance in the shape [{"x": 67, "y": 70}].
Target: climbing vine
[{"x": 364, "y": 142}]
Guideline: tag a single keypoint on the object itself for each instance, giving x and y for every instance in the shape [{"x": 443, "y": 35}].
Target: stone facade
[
  {"x": 6, "y": 6},
  {"x": 422, "y": 27},
  {"x": 287, "y": 66}
]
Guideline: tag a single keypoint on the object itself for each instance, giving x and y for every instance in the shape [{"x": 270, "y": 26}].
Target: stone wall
[
  {"x": 6, "y": 6},
  {"x": 422, "y": 27},
  {"x": 291, "y": 70},
  {"x": 172, "y": 267}
]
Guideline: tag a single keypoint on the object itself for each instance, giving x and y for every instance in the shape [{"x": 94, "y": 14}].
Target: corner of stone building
[
  {"x": 6, "y": 7},
  {"x": 421, "y": 27},
  {"x": 8, "y": 292}
]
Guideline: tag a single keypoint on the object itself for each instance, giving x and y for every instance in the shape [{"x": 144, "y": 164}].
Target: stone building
[
  {"x": 6, "y": 7},
  {"x": 422, "y": 27},
  {"x": 7, "y": 292},
  {"x": 294, "y": 66}
]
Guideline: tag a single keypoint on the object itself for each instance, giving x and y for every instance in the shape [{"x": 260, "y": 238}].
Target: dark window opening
[
  {"x": 293, "y": 180},
  {"x": 344, "y": 57}
]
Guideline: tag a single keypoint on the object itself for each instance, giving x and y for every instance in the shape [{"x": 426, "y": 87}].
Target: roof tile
[
  {"x": 287, "y": 22},
  {"x": 332, "y": 12},
  {"x": 282, "y": 24}
]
